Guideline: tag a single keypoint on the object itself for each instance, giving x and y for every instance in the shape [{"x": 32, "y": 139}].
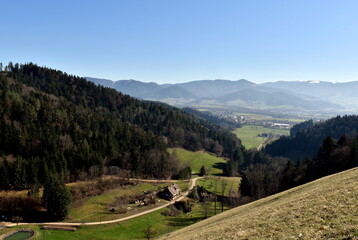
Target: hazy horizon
[{"x": 233, "y": 80}]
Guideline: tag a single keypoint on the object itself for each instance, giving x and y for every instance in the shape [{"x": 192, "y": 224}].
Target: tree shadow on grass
[{"x": 221, "y": 166}]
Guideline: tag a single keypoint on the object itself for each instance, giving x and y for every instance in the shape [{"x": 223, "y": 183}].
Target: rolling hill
[
  {"x": 240, "y": 93},
  {"x": 340, "y": 93},
  {"x": 277, "y": 98},
  {"x": 131, "y": 87},
  {"x": 171, "y": 92},
  {"x": 215, "y": 88},
  {"x": 323, "y": 209}
]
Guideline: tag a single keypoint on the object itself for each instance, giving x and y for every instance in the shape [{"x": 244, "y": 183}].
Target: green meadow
[
  {"x": 215, "y": 184},
  {"x": 130, "y": 229},
  {"x": 249, "y": 134},
  {"x": 213, "y": 164}
]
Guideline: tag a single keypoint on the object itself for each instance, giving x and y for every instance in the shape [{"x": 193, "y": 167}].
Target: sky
[{"x": 168, "y": 41}]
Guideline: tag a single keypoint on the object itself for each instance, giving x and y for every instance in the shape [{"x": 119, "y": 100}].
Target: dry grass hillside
[{"x": 323, "y": 209}]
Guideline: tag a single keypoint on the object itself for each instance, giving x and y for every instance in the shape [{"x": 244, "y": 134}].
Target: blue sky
[{"x": 178, "y": 41}]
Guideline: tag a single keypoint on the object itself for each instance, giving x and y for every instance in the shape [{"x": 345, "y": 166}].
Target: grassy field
[
  {"x": 323, "y": 209},
  {"x": 248, "y": 134},
  {"x": 131, "y": 229},
  {"x": 96, "y": 208},
  {"x": 215, "y": 184},
  {"x": 197, "y": 159}
]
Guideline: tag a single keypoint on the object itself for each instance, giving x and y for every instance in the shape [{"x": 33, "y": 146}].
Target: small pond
[{"x": 20, "y": 235}]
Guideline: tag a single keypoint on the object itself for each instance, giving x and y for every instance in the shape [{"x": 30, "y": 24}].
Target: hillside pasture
[
  {"x": 322, "y": 209},
  {"x": 215, "y": 184},
  {"x": 97, "y": 208},
  {"x": 196, "y": 160}
]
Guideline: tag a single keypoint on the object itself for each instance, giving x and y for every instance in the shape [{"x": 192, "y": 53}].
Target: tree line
[{"x": 206, "y": 115}]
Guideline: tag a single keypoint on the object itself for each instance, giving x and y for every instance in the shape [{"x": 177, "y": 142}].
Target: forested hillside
[
  {"x": 54, "y": 122},
  {"x": 334, "y": 149},
  {"x": 206, "y": 115},
  {"x": 42, "y": 134},
  {"x": 306, "y": 138}
]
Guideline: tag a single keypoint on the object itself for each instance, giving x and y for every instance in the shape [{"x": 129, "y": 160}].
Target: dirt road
[{"x": 183, "y": 195}]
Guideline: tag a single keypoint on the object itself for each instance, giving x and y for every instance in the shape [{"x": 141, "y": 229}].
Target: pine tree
[
  {"x": 57, "y": 198},
  {"x": 202, "y": 171},
  {"x": 4, "y": 175}
]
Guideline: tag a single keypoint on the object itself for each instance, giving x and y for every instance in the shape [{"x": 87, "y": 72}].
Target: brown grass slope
[{"x": 324, "y": 209}]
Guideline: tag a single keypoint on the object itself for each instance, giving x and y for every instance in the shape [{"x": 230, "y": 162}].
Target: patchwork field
[
  {"x": 195, "y": 160},
  {"x": 323, "y": 209},
  {"x": 249, "y": 134}
]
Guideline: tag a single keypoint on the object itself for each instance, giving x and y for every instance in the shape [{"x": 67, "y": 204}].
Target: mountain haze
[
  {"x": 172, "y": 91},
  {"x": 131, "y": 87},
  {"x": 215, "y": 88},
  {"x": 340, "y": 93},
  {"x": 243, "y": 93}
]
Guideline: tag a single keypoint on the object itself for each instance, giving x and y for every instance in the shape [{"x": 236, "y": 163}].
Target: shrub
[
  {"x": 184, "y": 205},
  {"x": 171, "y": 211}
]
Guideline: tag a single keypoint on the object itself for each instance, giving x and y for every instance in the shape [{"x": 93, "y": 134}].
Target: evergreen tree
[
  {"x": 185, "y": 173},
  {"x": 202, "y": 171},
  {"x": 56, "y": 198},
  {"x": 4, "y": 175}
]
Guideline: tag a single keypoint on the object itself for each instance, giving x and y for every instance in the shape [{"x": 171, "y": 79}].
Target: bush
[
  {"x": 171, "y": 211},
  {"x": 19, "y": 205},
  {"x": 184, "y": 205},
  {"x": 194, "y": 194}
]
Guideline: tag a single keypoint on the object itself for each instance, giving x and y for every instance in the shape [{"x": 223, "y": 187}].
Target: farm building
[{"x": 169, "y": 192}]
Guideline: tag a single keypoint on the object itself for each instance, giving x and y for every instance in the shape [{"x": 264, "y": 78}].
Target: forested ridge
[
  {"x": 206, "y": 115},
  {"x": 52, "y": 122},
  {"x": 333, "y": 148},
  {"x": 306, "y": 138}
]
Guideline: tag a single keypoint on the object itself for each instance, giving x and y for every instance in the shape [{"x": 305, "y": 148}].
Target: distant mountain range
[{"x": 305, "y": 95}]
